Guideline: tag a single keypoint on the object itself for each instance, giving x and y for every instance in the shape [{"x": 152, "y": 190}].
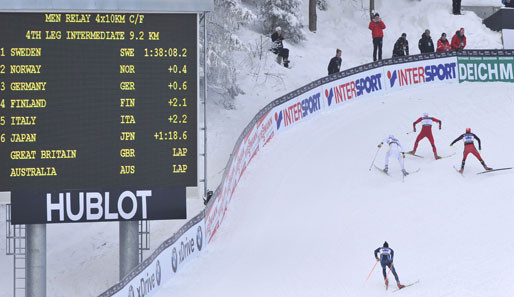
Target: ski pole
[
  {"x": 373, "y": 162},
  {"x": 372, "y": 270}
]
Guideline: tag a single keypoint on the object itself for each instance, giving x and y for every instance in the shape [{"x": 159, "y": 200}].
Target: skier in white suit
[{"x": 395, "y": 150}]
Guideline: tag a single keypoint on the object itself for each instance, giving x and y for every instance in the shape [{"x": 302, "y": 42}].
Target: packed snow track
[{"x": 307, "y": 215}]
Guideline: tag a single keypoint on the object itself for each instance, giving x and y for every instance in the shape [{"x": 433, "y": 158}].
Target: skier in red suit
[
  {"x": 469, "y": 147},
  {"x": 426, "y": 131}
]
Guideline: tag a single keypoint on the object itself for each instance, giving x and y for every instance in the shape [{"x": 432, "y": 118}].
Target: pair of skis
[
  {"x": 406, "y": 286},
  {"x": 440, "y": 157},
  {"x": 387, "y": 173},
  {"x": 486, "y": 171}
]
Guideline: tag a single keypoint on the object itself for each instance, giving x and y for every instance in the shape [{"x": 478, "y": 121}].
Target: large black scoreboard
[{"x": 98, "y": 115}]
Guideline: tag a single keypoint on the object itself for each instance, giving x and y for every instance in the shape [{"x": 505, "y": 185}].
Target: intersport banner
[
  {"x": 419, "y": 73},
  {"x": 347, "y": 89},
  {"x": 486, "y": 68}
]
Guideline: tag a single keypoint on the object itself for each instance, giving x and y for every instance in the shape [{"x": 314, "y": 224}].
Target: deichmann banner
[{"x": 486, "y": 69}]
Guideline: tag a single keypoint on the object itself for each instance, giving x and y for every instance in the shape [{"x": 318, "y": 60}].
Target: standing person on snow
[
  {"x": 469, "y": 147},
  {"x": 443, "y": 45},
  {"x": 335, "y": 63},
  {"x": 459, "y": 40},
  {"x": 425, "y": 44},
  {"x": 426, "y": 131},
  {"x": 394, "y": 145},
  {"x": 377, "y": 26},
  {"x": 386, "y": 260},
  {"x": 278, "y": 48},
  {"x": 401, "y": 47}
]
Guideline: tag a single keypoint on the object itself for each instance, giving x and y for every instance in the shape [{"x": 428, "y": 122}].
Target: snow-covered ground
[
  {"x": 344, "y": 26},
  {"x": 308, "y": 214},
  {"x": 90, "y": 251}
]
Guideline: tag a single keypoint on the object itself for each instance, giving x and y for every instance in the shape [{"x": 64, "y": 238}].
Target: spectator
[
  {"x": 425, "y": 44},
  {"x": 459, "y": 40},
  {"x": 456, "y": 7},
  {"x": 508, "y": 3},
  {"x": 401, "y": 47},
  {"x": 443, "y": 45},
  {"x": 377, "y": 26},
  {"x": 278, "y": 47},
  {"x": 335, "y": 63}
]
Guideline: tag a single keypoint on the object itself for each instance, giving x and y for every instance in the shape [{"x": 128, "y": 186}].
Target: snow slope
[
  {"x": 344, "y": 26},
  {"x": 308, "y": 213},
  {"x": 78, "y": 251}
]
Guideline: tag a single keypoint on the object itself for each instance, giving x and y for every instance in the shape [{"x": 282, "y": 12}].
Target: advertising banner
[
  {"x": 486, "y": 68},
  {"x": 298, "y": 109},
  {"x": 425, "y": 72},
  {"x": 72, "y": 206},
  {"x": 349, "y": 88},
  {"x": 164, "y": 263}
]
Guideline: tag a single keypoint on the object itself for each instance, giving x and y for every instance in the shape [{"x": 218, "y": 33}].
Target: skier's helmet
[
  {"x": 468, "y": 130},
  {"x": 425, "y": 115},
  {"x": 386, "y": 244}
]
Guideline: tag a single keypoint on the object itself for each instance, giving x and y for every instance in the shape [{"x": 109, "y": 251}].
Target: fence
[{"x": 292, "y": 109}]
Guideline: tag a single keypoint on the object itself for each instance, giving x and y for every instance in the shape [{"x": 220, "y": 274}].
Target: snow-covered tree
[
  {"x": 223, "y": 45},
  {"x": 283, "y": 13},
  {"x": 322, "y": 5}
]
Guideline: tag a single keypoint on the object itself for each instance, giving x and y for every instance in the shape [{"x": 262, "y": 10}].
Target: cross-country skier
[
  {"x": 426, "y": 131},
  {"x": 386, "y": 260},
  {"x": 394, "y": 145},
  {"x": 469, "y": 147}
]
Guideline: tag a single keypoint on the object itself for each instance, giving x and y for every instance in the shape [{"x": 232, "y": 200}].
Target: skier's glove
[{"x": 379, "y": 145}]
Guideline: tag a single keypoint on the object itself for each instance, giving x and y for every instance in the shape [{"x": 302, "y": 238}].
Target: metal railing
[{"x": 15, "y": 246}]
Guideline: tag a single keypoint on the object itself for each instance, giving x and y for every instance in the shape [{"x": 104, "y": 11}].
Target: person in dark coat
[
  {"x": 386, "y": 255},
  {"x": 401, "y": 47},
  {"x": 425, "y": 44},
  {"x": 443, "y": 45},
  {"x": 278, "y": 47},
  {"x": 459, "y": 40},
  {"x": 456, "y": 7},
  {"x": 335, "y": 63},
  {"x": 377, "y": 26}
]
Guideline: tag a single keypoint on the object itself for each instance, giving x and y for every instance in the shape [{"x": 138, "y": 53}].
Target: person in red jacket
[
  {"x": 469, "y": 147},
  {"x": 459, "y": 40},
  {"x": 377, "y": 26},
  {"x": 443, "y": 45},
  {"x": 426, "y": 131}
]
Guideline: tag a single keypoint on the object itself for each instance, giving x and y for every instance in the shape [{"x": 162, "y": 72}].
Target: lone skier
[
  {"x": 426, "y": 131},
  {"x": 395, "y": 149},
  {"x": 386, "y": 260},
  {"x": 469, "y": 147}
]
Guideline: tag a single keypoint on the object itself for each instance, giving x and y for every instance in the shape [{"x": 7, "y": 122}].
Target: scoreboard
[{"x": 98, "y": 115}]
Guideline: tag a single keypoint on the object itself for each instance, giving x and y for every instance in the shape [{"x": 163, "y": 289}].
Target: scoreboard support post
[
  {"x": 35, "y": 264},
  {"x": 129, "y": 247}
]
